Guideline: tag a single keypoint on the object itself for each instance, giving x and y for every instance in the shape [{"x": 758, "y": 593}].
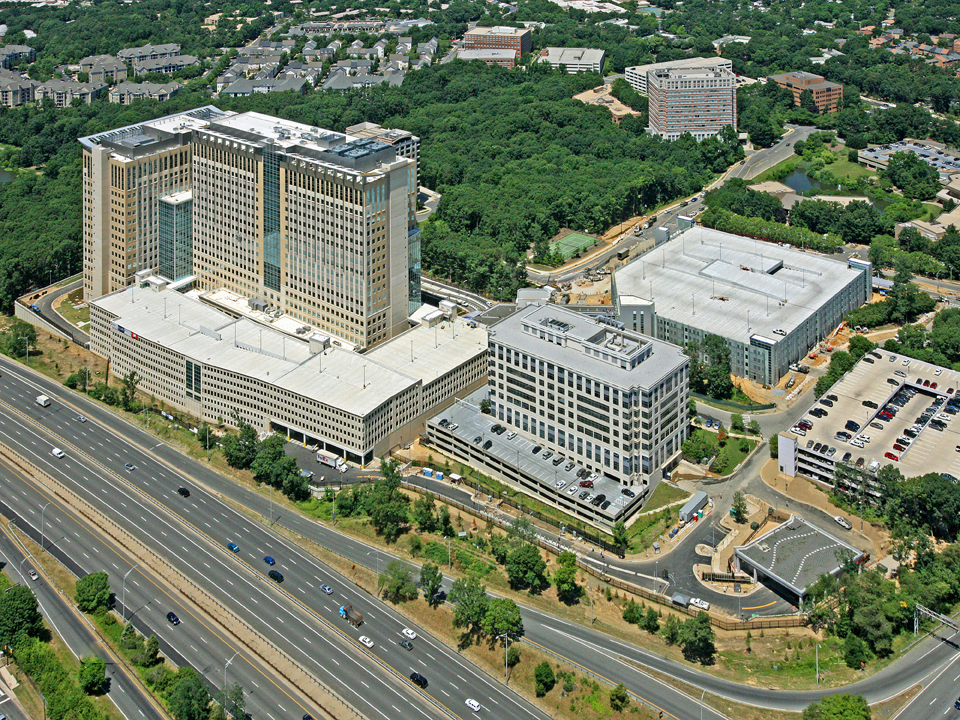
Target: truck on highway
[
  {"x": 334, "y": 461},
  {"x": 351, "y": 616},
  {"x": 43, "y": 401}
]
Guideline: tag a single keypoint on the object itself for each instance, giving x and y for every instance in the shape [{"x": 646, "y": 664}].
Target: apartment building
[
  {"x": 165, "y": 65},
  {"x": 15, "y": 89},
  {"x": 148, "y": 52},
  {"x": 498, "y": 38},
  {"x": 103, "y": 69},
  {"x": 826, "y": 95},
  {"x": 128, "y": 92},
  {"x": 10, "y": 54},
  {"x": 699, "y": 101},
  {"x": 614, "y": 401},
  {"x": 637, "y": 74},
  {"x": 64, "y": 92}
]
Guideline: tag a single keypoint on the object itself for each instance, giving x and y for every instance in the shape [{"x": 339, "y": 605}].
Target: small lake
[
  {"x": 801, "y": 183},
  {"x": 6, "y": 176}
]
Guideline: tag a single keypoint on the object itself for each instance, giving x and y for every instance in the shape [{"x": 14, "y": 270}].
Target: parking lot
[{"x": 909, "y": 389}]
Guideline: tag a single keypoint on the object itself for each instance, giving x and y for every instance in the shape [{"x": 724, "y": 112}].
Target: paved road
[
  {"x": 470, "y": 301},
  {"x": 73, "y": 628},
  {"x": 289, "y": 620},
  {"x": 50, "y": 315},
  {"x": 762, "y": 160}
]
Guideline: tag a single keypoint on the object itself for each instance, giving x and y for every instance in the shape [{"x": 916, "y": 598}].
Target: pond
[
  {"x": 6, "y": 176},
  {"x": 801, "y": 183}
]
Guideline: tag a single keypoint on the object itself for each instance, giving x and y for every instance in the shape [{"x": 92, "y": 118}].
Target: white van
[{"x": 57, "y": 453}]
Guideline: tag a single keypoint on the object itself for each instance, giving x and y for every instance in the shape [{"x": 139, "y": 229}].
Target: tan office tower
[
  {"x": 307, "y": 221},
  {"x": 699, "y": 101},
  {"x": 125, "y": 174}
]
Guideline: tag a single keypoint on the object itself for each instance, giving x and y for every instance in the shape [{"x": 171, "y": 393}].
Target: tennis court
[{"x": 570, "y": 244}]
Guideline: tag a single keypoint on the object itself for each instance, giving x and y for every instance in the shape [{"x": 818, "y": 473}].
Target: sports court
[{"x": 568, "y": 245}]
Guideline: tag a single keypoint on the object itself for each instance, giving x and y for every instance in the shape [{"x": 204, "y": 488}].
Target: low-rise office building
[
  {"x": 498, "y": 38},
  {"x": 503, "y": 58},
  {"x": 575, "y": 60},
  {"x": 772, "y": 304},
  {"x": 207, "y": 355},
  {"x": 826, "y": 95}
]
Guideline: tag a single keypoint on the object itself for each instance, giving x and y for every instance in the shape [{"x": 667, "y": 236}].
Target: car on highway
[
  {"x": 233, "y": 547},
  {"x": 406, "y": 644},
  {"x": 698, "y": 603},
  {"x": 326, "y": 590},
  {"x": 57, "y": 453},
  {"x": 269, "y": 560},
  {"x": 33, "y": 574},
  {"x": 129, "y": 467},
  {"x": 409, "y": 634},
  {"x": 364, "y": 640},
  {"x": 81, "y": 418},
  {"x": 473, "y": 704},
  {"x": 842, "y": 522},
  {"x": 275, "y": 576},
  {"x": 172, "y": 617},
  {"x": 183, "y": 492},
  {"x": 418, "y": 679}
]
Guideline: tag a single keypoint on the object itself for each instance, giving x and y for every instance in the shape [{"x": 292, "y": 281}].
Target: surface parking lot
[{"x": 879, "y": 382}]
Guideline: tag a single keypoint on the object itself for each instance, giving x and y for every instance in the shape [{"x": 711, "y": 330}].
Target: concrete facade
[
  {"x": 498, "y": 38},
  {"x": 699, "y": 101},
  {"x": 637, "y": 74}
]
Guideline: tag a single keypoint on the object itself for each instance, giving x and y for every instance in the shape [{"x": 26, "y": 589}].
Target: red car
[
  {"x": 933, "y": 386},
  {"x": 898, "y": 447},
  {"x": 586, "y": 483},
  {"x": 890, "y": 456},
  {"x": 885, "y": 416}
]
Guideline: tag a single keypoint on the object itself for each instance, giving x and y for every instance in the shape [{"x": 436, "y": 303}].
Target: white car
[
  {"x": 698, "y": 603},
  {"x": 511, "y": 435},
  {"x": 906, "y": 361},
  {"x": 843, "y": 522},
  {"x": 856, "y": 443},
  {"x": 366, "y": 641},
  {"x": 561, "y": 484},
  {"x": 33, "y": 574},
  {"x": 944, "y": 416},
  {"x": 57, "y": 453},
  {"x": 573, "y": 489},
  {"x": 798, "y": 431},
  {"x": 473, "y": 705},
  {"x": 863, "y": 438},
  {"x": 409, "y": 634},
  {"x": 938, "y": 371}
]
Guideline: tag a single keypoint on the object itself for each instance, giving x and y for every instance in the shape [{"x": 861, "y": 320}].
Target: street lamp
[
  {"x": 449, "y": 556},
  {"x": 42, "y": 525},
  {"x": 26, "y": 347},
  {"x": 123, "y": 600},
  {"x": 701, "y": 702},
  {"x": 506, "y": 646},
  {"x": 225, "y": 666},
  {"x": 818, "y": 665}
]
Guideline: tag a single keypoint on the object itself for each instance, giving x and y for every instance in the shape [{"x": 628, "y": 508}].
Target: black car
[
  {"x": 477, "y": 440},
  {"x": 275, "y": 576},
  {"x": 172, "y": 617},
  {"x": 828, "y": 403},
  {"x": 868, "y": 360},
  {"x": 605, "y": 504},
  {"x": 870, "y": 404},
  {"x": 183, "y": 492},
  {"x": 488, "y": 444},
  {"x": 405, "y": 644},
  {"x": 418, "y": 679},
  {"x": 628, "y": 492},
  {"x": 536, "y": 449}
]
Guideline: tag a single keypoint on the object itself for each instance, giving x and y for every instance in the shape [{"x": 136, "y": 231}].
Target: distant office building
[
  {"x": 503, "y": 58},
  {"x": 498, "y": 38},
  {"x": 175, "y": 235},
  {"x": 826, "y": 95},
  {"x": 637, "y": 74},
  {"x": 614, "y": 401},
  {"x": 699, "y": 101},
  {"x": 575, "y": 60}
]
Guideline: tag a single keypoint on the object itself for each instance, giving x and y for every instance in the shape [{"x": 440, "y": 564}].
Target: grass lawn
[
  {"x": 71, "y": 313},
  {"x": 732, "y": 454},
  {"x": 848, "y": 171},
  {"x": 663, "y": 496},
  {"x": 932, "y": 210}
]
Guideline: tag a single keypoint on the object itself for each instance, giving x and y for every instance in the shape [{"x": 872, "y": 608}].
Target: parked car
[
  {"x": 701, "y": 604},
  {"x": 843, "y": 522}
]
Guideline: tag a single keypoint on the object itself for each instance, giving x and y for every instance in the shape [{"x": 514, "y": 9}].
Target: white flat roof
[
  {"x": 338, "y": 377},
  {"x": 731, "y": 285}
]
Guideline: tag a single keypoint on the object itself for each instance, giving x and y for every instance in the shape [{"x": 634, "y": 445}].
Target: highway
[
  {"x": 580, "y": 644},
  {"x": 75, "y": 631},
  {"x": 240, "y": 580}
]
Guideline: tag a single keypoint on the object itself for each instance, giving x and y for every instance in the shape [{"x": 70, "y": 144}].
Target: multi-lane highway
[{"x": 113, "y": 442}]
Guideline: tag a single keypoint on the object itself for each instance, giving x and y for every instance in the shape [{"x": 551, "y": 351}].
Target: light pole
[
  {"x": 701, "y": 702},
  {"x": 225, "y": 666},
  {"x": 449, "y": 556},
  {"x": 42, "y": 525},
  {"x": 123, "y": 601},
  {"x": 818, "y": 665},
  {"x": 506, "y": 646},
  {"x": 656, "y": 577},
  {"x": 26, "y": 347}
]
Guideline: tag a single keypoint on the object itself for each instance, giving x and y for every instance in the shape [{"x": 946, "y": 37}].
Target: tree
[
  {"x": 151, "y": 652},
  {"x": 513, "y": 656},
  {"x": 269, "y": 454},
  {"x": 621, "y": 538},
  {"x": 860, "y": 346},
  {"x": 855, "y": 652},
  {"x": 128, "y": 389},
  {"x": 697, "y": 639},
  {"x": 485, "y": 406},
  {"x": 469, "y": 598},
  {"x": 521, "y": 531},
  {"x": 502, "y": 616},
  {"x": 431, "y": 579},
  {"x": 189, "y": 697},
  {"x": 807, "y": 102},
  {"x": 774, "y": 446},
  {"x": 206, "y": 437},
  {"x": 651, "y": 621},
  {"x": 753, "y": 427},
  {"x": 701, "y": 444},
  {"x": 386, "y": 505},
  {"x": 424, "y": 513},
  {"x": 839, "y": 707},
  {"x": 91, "y": 675},
  {"x": 233, "y": 702},
  {"x": 736, "y": 422},
  {"x": 240, "y": 448},
  {"x": 93, "y": 592},
  {"x": 671, "y": 630},
  {"x": 565, "y": 577},
  {"x": 19, "y": 616},
  {"x": 739, "y": 508},
  {"x": 632, "y": 612},
  {"x": 544, "y": 678},
  {"x": 526, "y": 569},
  {"x": 396, "y": 583},
  {"x": 619, "y": 698}
]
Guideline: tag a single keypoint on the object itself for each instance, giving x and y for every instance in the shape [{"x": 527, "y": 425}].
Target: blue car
[
  {"x": 269, "y": 560},
  {"x": 234, "y": 547}
]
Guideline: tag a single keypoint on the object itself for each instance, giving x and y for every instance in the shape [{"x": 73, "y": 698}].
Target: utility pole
[
  {"x": 42, "y": 525},
  {"x": 124, "y": 592}
]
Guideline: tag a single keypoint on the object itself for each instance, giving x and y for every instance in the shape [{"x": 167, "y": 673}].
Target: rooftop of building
[
  {"x": 128, "y": 139},
  {"x": 693, "y": 73},
  {"x": 487, "y": 54},
  {"x": 572, "y": 56},
  {"x": 354, "y": 382},
  {"x": 498, "y": 30},
  {"x": 801, "y": 76},
  {"x": 685, "y": 62},
  {"x": 572, "y": 340},
  {"x": 731, "y": 285},
  {"x": 796, "y": 553}
]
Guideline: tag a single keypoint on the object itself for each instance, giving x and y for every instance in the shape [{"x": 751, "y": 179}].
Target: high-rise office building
[
  {"x": 310, "y": 222},
  {"x": 699, "y": 101},
  {"x": 176, "y": 236}
]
